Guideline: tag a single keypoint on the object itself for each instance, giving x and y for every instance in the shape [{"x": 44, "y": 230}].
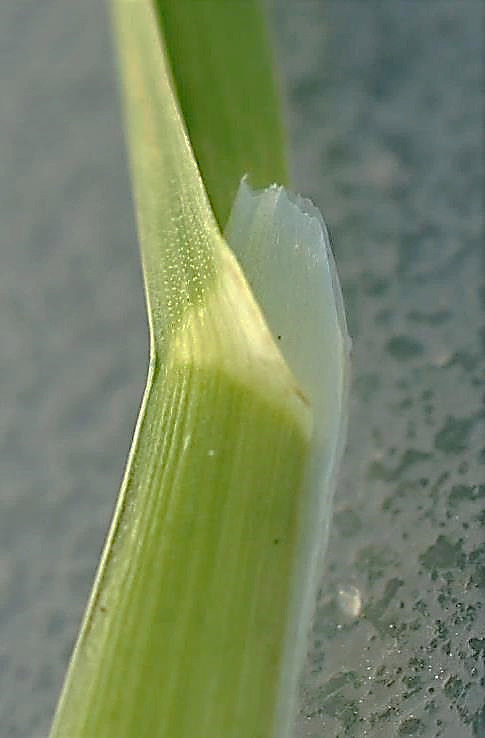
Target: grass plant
[{"x": 195, "y": 626}]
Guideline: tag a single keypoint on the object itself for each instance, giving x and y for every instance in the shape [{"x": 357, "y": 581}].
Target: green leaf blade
[
  {"x": 225, "y": 82},
  {"x": 178, "y": 261}
]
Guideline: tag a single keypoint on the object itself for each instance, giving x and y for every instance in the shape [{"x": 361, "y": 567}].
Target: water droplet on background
[{"x": 350, "y": 600}]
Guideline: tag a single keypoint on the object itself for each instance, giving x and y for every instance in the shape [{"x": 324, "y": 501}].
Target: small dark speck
[
  {"x": 279, "y": 338},
  {"x": 404, "y": 347},
  {"x": 412, "y": 726},
  {"x": 102, "y": 608},
  {"x": 276, "y": 540},
  {"x": 453, "y": 436}
]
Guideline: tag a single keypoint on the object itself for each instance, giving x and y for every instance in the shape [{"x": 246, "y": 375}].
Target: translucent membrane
[{"x": 283, "y": 246}]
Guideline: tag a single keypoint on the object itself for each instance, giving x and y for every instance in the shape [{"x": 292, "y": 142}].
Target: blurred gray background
[{"x": 386, "y": 113}]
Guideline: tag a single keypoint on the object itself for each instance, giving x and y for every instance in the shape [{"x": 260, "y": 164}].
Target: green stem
[{"x": 186, "y": 629}]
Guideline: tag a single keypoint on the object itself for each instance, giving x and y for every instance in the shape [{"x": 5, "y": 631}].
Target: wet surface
[
  {"x": 386, "y": 120},
  {"x": 72, "y": 334}
]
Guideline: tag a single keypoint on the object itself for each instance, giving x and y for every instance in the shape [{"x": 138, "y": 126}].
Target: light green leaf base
[{"x": 186, "y": 630}]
